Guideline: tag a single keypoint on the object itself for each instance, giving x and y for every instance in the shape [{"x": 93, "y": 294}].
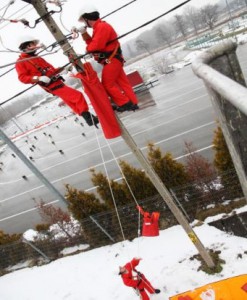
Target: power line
[
  {"x": 6, "y": 8},
  {"x": 19, "y": 15}
]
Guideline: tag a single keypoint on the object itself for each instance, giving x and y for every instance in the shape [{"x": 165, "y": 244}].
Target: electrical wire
[
  {"x": 151, "y": 21},
  {"x": 112, "y": 12},
  {"x": 7, "y": 7},
  {"x": 18, "y": 94},
  {"x": 3, "y": 7},
  {"x": 27, "y": 59},
  {"x": 52, "y": 46},
  {"x": 19, "y": 15}
]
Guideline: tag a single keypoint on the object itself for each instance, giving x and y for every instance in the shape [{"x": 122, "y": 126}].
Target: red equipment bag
[
  {"x": 150, "y": 225},
  {"x": 100, "y": 101}
]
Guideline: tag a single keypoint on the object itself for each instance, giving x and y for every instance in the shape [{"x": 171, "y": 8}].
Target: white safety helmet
[
  {"x": 86, "y": 9},
  {"x": 26, "y": 38}
]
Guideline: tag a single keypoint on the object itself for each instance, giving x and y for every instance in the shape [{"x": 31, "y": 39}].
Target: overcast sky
[{"x": 123, "y": 21}]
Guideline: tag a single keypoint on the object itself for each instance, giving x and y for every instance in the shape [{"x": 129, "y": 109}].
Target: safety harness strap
[
  {"x": 106, "y": 57},
  {"x": 53, "y": 78}
]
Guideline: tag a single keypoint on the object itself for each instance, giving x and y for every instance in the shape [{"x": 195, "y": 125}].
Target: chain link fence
[{"x": 218, "y": 195}]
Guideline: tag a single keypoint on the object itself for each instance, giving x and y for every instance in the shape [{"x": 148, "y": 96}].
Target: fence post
[
  {"x": 36, "y": 249},
  {"x": 233, "y": 122}
]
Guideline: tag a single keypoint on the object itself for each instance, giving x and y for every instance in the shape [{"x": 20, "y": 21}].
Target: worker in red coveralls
[
  {"x": 33, "y": 69},
  {"x": 137, "y": 281},
  {"x": 106, "y": 50}
]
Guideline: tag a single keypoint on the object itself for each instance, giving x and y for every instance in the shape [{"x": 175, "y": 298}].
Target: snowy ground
[{"x": 93, "y": 275}]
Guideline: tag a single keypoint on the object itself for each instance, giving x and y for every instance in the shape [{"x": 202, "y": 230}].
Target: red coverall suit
[
  {"x": 138, "y": 282},
  {"x": 29, "y": 68},
  {"x": 114, "y": 78}
]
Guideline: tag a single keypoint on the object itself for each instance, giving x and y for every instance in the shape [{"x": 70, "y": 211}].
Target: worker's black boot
[
  {"x": 127, "y": 107},
  {"x": 90, "y": 118}
]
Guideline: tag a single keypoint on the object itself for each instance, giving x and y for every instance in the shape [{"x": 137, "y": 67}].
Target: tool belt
[
  {"x": 105, "y": 57},
  {"x": 53, "y": 79}
]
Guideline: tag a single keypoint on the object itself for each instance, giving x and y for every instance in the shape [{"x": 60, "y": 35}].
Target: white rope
[
  {"x": 132, "y": 194},
  {"x": 114, "y": 201},
  {"x": 108, "y": 180}
]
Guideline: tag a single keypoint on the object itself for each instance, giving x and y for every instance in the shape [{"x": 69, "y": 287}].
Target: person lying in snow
[{"x": 137, "y": 281}]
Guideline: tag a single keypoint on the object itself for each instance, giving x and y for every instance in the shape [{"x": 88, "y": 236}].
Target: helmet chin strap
[{"x": 87, "y": 23}]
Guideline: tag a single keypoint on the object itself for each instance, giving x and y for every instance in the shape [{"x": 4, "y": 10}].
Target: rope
[
  {"x": 108, "y": 180},
  {"x": 132, "y": 194}
]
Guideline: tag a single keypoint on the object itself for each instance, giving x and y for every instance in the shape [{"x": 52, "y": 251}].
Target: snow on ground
[{"x": 93, "y": 275}]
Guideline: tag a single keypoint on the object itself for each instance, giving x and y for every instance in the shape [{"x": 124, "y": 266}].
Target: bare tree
[
  {"x": 141, "y": 45},
  {"x": 243, "y": 2},
  {"x": 192, "y": 16},
  {"x": 54, "y": 215},
  {"x": 209, "y": 15},
  {"x": 164, "y": 34},
  {"x": 181, "y": 25},
  {"x": 130, "y": 51}
]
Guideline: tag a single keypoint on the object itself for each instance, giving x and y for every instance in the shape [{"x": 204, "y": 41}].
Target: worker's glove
[
  {"x": 66, "y": 70},
  {"x": 45, "y": 79},
  {"x": 81, "y": 29},
  {"x": 139, "y": 274}
]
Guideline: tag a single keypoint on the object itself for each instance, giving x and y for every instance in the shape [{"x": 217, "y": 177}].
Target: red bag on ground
[{"x": 150, "y": 226}]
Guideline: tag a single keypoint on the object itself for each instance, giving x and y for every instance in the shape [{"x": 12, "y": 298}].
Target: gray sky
[{"x": 123, "y": 21}]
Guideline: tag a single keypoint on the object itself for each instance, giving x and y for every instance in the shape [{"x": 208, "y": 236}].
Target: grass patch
[
  {"x": 220, "y": 209},
  {"x": 215, "y": 255}
]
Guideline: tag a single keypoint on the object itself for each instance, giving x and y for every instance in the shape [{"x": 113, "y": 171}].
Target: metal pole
[
  {"x": 36, "y": 249},
  {"x": 220, "y": 70},
  {"x": 163, "y": 191},
  {"x": 179, "y": 203},
  {"x": 102, "y": 229},
  {"x": 32, "y": 167}
]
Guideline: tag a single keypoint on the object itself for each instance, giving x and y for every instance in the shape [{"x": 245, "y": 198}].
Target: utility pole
[
  {"x": 55, "y": 31},
  {"x": 58, "y": 35}
]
